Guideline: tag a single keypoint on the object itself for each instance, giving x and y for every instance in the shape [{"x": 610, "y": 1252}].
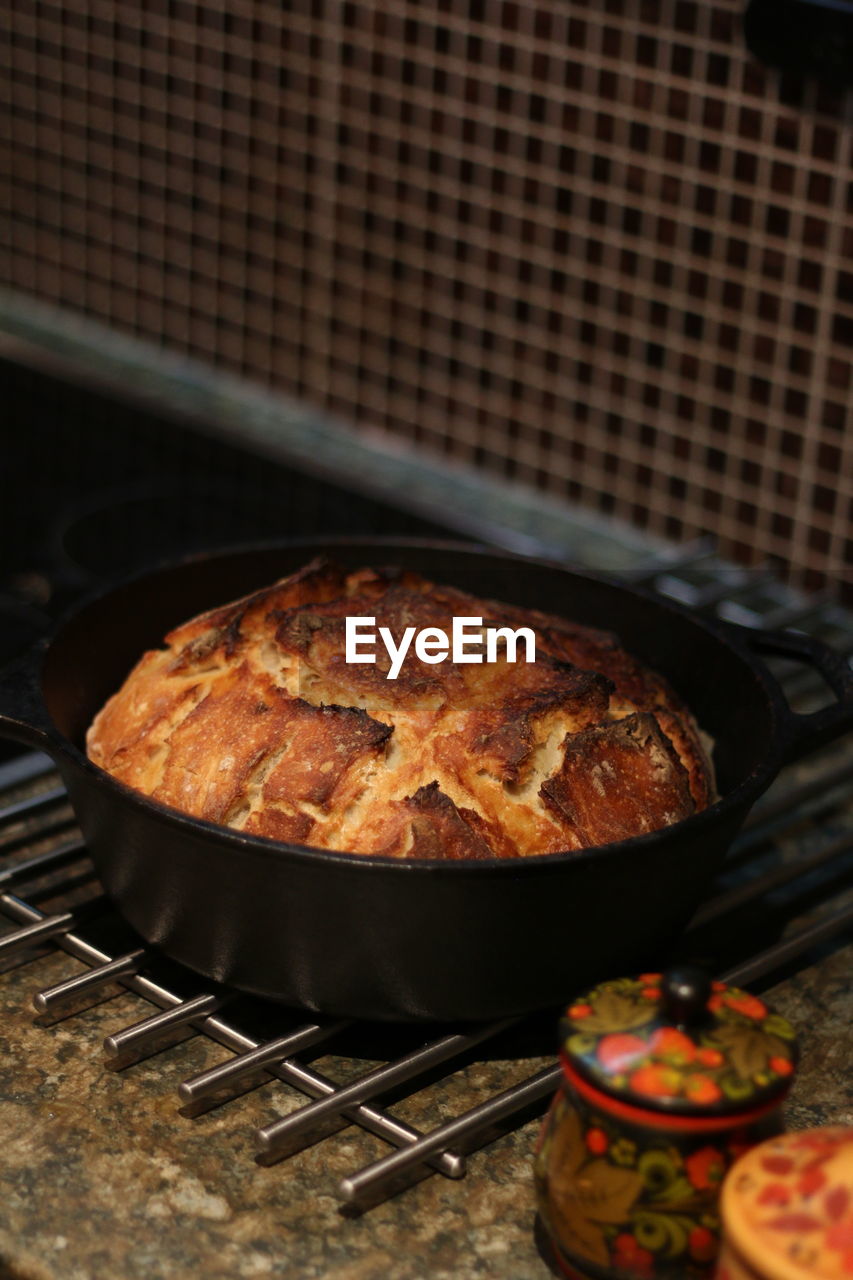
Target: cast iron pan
[{"x": 408, "y": 940}]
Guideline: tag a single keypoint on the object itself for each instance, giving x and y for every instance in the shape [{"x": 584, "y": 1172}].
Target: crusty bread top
[{"x": 252, "y": 717}]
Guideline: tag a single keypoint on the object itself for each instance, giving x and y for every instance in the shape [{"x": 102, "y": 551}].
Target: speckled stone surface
[{"x": 103, "y": 1177}]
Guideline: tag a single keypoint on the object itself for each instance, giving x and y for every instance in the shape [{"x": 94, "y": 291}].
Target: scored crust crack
[{"x": 251, "y": 717}]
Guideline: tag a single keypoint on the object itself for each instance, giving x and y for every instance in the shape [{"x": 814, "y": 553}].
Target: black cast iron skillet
[{"x": 385, "y": 939}]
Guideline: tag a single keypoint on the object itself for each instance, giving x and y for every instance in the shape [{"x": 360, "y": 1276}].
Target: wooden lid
[
  {"x": 787, "y": 1206},
  {"x": 677, "y": 1042}
]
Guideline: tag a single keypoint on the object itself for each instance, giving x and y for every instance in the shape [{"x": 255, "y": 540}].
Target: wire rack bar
[
  {"x": 90, "y": 981},
  {"x": 33, "y": 804},
  {"x": 60, "y": 928},
  {"x": 448, "y": 1048},
  {"x": 227, "y": 1074}
]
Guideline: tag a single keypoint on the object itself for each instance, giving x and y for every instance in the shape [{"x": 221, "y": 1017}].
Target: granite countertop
[{"x": 103, "y": 1177}]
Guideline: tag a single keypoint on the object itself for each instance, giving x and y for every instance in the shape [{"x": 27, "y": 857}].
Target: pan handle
[
  {"x": 23, "y": 715},
  {"x": 804, "y": 733}
]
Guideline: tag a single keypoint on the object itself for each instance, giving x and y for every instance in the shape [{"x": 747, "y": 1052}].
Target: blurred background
[{"x": 478, "y": 263}]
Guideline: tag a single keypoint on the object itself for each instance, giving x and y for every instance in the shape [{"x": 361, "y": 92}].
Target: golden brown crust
[
  {"x": 619, "y": 779},
  {"x": 253, "y": 718}
]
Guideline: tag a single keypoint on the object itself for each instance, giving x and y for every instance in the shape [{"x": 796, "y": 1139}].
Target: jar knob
[{"x": 684, "y": 995}]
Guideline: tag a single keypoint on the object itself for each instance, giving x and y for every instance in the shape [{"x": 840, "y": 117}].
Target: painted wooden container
[
  {"x": 667, "y": 1081},
  {"x": 787, "y": 1209}
]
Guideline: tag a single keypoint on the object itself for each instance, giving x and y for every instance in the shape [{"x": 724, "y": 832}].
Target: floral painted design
[
  {"x": 792, "y": 1198},
  {"x": 640, "y": 1206},
  {"x": 739, "y": 1053},
  {"x": 585, "y": 1197},
  {"x": 705, "y": 1168}
]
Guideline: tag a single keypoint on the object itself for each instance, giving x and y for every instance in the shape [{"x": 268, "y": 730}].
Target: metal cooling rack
[{"x": 799, "y": 885}]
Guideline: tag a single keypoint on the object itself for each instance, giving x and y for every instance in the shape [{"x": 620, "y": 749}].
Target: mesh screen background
[{"x": 589, "y": 245}]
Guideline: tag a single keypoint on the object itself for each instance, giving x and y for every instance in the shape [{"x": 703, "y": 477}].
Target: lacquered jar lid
[
  {"x": 680, "y": 1043},
  {"x": 787, "y": 1206}
]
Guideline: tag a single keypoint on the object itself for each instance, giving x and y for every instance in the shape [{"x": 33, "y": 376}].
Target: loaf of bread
[{"x": 252, "y": 717}]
